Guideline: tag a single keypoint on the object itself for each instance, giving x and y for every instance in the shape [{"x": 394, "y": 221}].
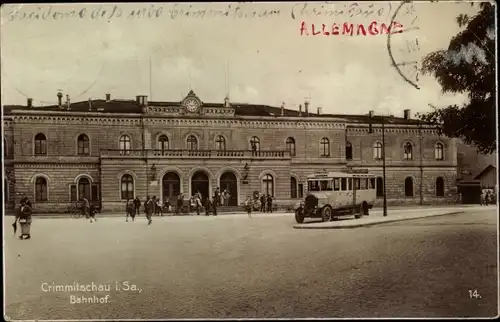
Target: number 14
[{"x": 474, "y": 294}]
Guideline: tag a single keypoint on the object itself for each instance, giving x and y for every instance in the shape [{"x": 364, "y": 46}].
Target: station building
[{"x": 111, "y": 150}]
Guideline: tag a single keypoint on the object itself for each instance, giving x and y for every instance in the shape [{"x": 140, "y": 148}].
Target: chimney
[
  {"x": 283, "y": 109},
  {"x": 59, "y": 98},
  {"x": 407, "y": 114},
  {"x": 306, "y": 107},
  {"x": 138, "y": 99},
  {"x": 108, "y": 97},
  {"x": 226, "y": 102},
  {"x": 30, "y": 102},
  {"x": 144, "y": 100},
  {"x": 319, "y": 110},
  {"x": 90, "y": 104},
  {"x": 300, "y": 110},
  {"x": 68, "y": 103},
  {"x": 371, "y": 113}
]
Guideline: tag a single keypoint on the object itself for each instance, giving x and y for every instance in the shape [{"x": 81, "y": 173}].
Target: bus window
[
  {"x": 372, "y": 183},
  {"x": 363, "y": 184},
  {"x": 356, "y": 183},
  {"x": 336, "y": 184},
  {"x": 313, "y": 186},
  {"x": 349, "y": 184},
  {"x": 343, "y": 184},
  {"x": 326, "y": 185}
]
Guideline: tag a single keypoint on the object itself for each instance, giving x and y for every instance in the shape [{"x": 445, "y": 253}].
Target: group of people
[
  {"x": 266, "y": 203},
  {"x": 153, "y": 205},
  {"x": 488, "y": 197}
]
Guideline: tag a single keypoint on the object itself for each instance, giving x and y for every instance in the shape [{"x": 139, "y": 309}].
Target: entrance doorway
[
  {"x": 171, "y": 187},
  {"x": 200, "y": 182},
  {"x": 228, "y": 181}
]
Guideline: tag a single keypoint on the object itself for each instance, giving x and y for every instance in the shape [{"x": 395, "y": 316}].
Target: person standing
[
  {"x": 208, "y": 205},
  {"x": 180, "y": 203},
  {"x": 215, "y": 204},
  {"x": 25, "y": 220},
  {"x": 86, "y": 208},
  {"x": 137, "y": 206},
  {"x": 248, "y": 206},
  {"x": 197, "y": 202},
  {"x": 263, "y": 203},
  {"x": 217, "y": 196},
  {"x": 269, "y": 203},
  {"x": 129, "y": 209},
  {"x": 150, "y": 207}
]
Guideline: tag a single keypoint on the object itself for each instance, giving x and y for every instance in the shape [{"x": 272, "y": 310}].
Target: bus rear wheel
[{"x": 326, "y": 213}]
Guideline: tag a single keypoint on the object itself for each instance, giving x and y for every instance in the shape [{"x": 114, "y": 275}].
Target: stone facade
[{"x": 104, "y": 166}]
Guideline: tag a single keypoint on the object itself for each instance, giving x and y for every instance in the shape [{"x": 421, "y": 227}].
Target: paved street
[{"x": 236, "y": 267}]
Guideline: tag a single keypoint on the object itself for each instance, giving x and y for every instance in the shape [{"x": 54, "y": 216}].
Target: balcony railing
[{"x": 179, "y": 154}]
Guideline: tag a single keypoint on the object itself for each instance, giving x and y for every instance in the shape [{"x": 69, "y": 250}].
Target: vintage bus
[{"x": 333, "y": 194}]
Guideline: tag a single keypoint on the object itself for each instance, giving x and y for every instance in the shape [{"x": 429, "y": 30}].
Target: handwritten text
[{"x": 350, "y": 10}]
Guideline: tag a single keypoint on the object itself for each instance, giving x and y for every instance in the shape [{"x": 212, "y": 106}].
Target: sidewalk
[{"x": 376, "y": 217}]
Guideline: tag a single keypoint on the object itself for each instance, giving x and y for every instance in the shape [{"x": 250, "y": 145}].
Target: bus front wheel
[{"x": 326, "y": 213}]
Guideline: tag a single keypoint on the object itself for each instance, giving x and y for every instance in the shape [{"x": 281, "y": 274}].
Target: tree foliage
[{"x": 468, "y": 66}]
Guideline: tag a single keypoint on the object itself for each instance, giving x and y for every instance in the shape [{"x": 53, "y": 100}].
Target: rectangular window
[
  {"x": 336, "y": 184},
  {"x": 72, "y": 193},
  {"x": 372, "y": 183},
  {"x": 363, "y": 184},
  {"x": 349, "y": 184},
  {"x": 313, "y": 186},
  {"x": 343, "y": 184},
  {"x": 95, "y": 193},
  {"x": 301, "y": 190},
  {"x": 326, "y": 185},
  {"x": 356, "y": 184}
]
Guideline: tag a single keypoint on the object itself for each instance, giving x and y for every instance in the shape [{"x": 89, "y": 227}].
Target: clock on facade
[{"x": 191, "y": 105}]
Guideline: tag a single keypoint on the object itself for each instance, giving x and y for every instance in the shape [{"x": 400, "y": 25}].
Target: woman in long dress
[{"x": 24, "y": 219}]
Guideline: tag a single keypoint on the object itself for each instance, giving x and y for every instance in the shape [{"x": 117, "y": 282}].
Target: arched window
[
  {"x": 438, "y": 151},
  {"x": 293, "y": 188},
  {"x": 40, "y": 144},
  {"x": 124, "y": 144},
  {"x": 268, "y": 185},
  {"x": 41, "y": 189},
  {"x": 377, "y": 150},
  {"x": 220, "y": 143},
  {"x": 255, "y": 143},
  {"x": 324, "y": 147},
  {"x": 380, "y": 187},
  {"x": 127, "y": 187},
  {"x": 290, "y": 146},
  {"x": 348, "y": 151},
  {"x": 163, "y": 143},
  {"x": 192, "y": 143},
  {"x": 408, "y": 187},
  {"x": 83, "y": 145},
  {"x": 439, "y": 187},
  {"x": 408, "y": 149},
  {"x": 84, "y": 188}
]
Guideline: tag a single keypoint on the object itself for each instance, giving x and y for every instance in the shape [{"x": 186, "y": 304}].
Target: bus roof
[{"x": 329, "y": 175}]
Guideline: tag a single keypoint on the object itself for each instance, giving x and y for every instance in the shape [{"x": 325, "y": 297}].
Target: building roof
[
  {"x": 484, "y": 171},
  {"x": 241, "y": 109}
]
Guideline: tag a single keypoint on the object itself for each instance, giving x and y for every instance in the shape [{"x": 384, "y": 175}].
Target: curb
[{"x": 373, "y": 223}]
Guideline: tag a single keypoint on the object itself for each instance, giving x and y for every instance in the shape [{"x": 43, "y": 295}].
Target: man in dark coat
[
  {"x": 24, "y": 217},
  {"x": 215, "y": 204},
  {"x": 149, "y": 210},
  {"x": 269, "y": 203},
  {"x": 137, "y": 205},
  {"x": 263, "y": 203}
]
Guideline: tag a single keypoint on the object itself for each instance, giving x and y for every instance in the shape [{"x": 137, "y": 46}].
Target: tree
[{"x": 468, "y": 66}]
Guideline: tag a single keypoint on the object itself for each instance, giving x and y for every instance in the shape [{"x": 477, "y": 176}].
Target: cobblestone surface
[{"x": 237, "y": 267}]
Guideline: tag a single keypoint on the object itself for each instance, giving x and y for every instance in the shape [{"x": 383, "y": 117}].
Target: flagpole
[{"x": 150, "y": 81}]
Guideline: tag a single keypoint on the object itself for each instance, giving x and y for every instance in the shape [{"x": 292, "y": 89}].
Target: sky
[{"x": 251, "y": 56}]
